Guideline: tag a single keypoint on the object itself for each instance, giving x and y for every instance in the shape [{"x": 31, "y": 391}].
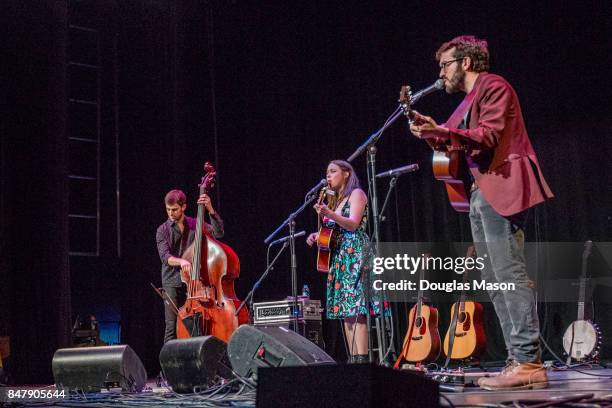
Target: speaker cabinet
[
  {"x": 355, "y": 385},
  {"x": 311, "y": 329},
  {"x": 194, "y": 364},
  {"x": 91, "y": 369},
  {"x": 251, "y": 347}
]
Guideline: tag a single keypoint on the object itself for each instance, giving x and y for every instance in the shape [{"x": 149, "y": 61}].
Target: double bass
[{"x": 211, "y": 302}]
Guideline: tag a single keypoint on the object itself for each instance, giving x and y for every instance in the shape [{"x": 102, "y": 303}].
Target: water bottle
[{"x": 306, "y": 291}]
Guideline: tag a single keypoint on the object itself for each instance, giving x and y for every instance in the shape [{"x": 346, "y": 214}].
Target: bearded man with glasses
[{"x": 506, "y": 181}]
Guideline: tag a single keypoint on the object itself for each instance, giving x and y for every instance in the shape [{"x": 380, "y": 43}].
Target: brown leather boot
[
  {"x": 522, "y": 376},
  {"x": 510, "y": 364}
]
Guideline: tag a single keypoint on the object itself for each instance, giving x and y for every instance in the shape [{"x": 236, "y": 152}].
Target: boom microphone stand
[
  {"x": 290, "y": 222},
  {"x": 369, "y": 144},
  {"x": 249, "y": 298}
]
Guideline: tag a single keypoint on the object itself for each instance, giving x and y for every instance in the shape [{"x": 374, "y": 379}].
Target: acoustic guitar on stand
[
  {"x": 326, "y": 236},
  {"x": 447, "y": 161},
  {"x": 422, "y": 341},
  {"x": 465, "y": 337}
]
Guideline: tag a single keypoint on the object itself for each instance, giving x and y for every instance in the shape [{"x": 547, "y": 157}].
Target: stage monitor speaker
[
  {"x": 251, "y": 347},
  {"x": 91, "y": 369},
  {"x": 194, "y": 364},
  {"x": 353, "y": 385}
]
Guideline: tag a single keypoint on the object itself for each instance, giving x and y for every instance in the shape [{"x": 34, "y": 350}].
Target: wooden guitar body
[
  {"x": 207, "y": 310},
  {"x": 211, "y": 300},
  {"x": 447, "y": 168},
  {"x": 423, "y": 344},
  {"x": 324, "y": 244},
  {"x": 470, "y": 339},
  {"x": 227, "y": 283}
]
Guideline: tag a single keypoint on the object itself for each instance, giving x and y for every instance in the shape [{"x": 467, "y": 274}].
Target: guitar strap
[
  {"x": 460, "y": 115},
  {"x": 464, "y": 107}
]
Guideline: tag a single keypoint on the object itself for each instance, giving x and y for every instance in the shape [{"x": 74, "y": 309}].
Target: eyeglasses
[{"x": 445, "y": 64}]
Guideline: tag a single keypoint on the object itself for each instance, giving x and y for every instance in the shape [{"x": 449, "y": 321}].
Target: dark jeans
[
  {"x": 178, "y": 296},
  {"x": 503, "y": 241}
]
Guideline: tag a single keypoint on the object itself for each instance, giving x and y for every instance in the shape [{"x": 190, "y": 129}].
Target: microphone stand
[
  {"x": 392, "y": 184},
  {"x": 249, "y": 298},
  {"x": 369, "y": 144},
  {"x": 290, "y": 222}
]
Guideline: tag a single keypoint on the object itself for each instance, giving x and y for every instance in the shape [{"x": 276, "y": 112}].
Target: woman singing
[{"x": 347, "y": 210}]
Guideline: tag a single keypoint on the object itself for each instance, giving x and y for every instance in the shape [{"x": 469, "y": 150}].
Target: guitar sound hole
[
  {"x": 418, "y": 322},
  {"x": 462, "y": 317}
]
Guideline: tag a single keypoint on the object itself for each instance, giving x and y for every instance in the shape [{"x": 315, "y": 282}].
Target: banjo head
[{"x": 581, "y": 340}]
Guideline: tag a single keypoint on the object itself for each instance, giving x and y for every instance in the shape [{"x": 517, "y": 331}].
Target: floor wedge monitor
[
  {"x": 251, "y": 347},
  {"x": 91, "y": 369}
]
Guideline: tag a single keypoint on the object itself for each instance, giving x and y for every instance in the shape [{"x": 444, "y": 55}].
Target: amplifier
[
  {"x": 279, "y": 313},
  {"x": 282, "y": 311}
]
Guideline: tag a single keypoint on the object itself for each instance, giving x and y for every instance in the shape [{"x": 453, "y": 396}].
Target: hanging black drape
[{"x": 36, "y": 300}]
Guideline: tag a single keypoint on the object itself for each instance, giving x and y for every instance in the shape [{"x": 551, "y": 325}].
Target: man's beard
[{"x": 455, "y": 84}]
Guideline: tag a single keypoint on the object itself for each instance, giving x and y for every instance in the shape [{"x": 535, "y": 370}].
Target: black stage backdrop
[{"x": 270, "y": 91}]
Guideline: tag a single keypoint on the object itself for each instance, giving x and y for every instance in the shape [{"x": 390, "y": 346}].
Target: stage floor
[{"x": 563, "y": 384}]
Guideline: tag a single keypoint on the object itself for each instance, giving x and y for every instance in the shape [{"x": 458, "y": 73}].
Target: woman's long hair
[{"x": 352, "y": 182}]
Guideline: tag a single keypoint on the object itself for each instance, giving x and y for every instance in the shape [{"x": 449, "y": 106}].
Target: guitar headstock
[
  {"x": 208, "y": 181},
  {"x": 322, "y": 195},
  {"x": 405, "y": 100}
]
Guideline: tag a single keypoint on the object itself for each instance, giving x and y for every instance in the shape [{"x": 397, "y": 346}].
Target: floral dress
[{"x": 351, "y": 260}]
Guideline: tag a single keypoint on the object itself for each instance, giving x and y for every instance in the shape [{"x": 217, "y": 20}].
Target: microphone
[
  {"x": 316, "y": 188},
  {"x": 400, "y": 170},
  {"x": 436, "y": 86},
  {"x": 283, "y": 239}
]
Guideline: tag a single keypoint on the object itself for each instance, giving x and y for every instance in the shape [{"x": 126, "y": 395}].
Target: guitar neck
[
  {"x": 197, "y": 245},
  {"x": 581, "y": 297},
  {"x": 419, "y": 304},
  {"x": 471, "y": 253},
  {"x": 580, "y": 311},
  {"x": 583, "y": 277}
]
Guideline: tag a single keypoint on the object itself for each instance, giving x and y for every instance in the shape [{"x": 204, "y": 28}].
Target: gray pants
[
  {"x": 516, "y": 310},
  {"x": 177, "y": 295}
]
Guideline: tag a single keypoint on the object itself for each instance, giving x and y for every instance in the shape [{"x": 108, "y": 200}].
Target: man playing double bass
[
  {"x": 174, "y": 237},
  {"x": 506, "y": 181}
]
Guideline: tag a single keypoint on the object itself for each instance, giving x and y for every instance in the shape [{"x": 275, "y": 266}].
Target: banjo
[{"x": 582, "y": 338}]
